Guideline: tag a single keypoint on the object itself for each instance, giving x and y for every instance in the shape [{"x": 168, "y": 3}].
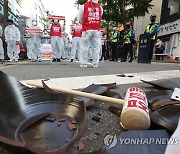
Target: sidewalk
[{"x": 166, "y": 60}]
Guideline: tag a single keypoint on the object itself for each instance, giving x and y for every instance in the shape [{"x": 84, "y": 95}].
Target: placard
[
  {"x": 53, "y": 17},
  {"x": 46, "y": 51},
  {"x": 33, "y": 31}
]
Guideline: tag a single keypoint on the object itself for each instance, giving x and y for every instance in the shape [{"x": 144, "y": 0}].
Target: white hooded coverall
[
  {"x": 90, "y": 38},
  {"x": 12, "y": 36},
  {"x": 35, "y": 41},
  {"x": 28, "y": 45},
  {"x": 76, "y": 40}
]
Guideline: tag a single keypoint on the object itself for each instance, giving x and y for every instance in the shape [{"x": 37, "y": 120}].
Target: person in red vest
[
  {"x": 55, "y": 33},
  {"x": 76, "y": 31},
  {"x": 90, "y": 14}
]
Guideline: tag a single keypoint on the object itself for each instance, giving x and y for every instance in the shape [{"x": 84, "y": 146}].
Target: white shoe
[
  {"x": 11, "y": 60},
  {"x": 95, "y": 66},
  {"x": 16, "y": 60},
  {"x": 83, "y": 65}
]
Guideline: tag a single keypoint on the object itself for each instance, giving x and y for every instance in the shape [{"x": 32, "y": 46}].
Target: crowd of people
[{"x": 88, "y": 42}]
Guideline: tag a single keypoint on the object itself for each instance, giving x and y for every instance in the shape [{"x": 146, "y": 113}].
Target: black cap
[
  {"x": 152, "y": 16},
  {"x": 10, "y": 21}
]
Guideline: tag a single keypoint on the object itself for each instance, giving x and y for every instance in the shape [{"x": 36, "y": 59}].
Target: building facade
[
  {"x": 33, "y": 10},
  {"x": 170, "y": 27},
  {"x": 13, "y": 11}
]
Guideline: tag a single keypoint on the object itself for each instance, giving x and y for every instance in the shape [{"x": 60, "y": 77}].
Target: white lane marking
[{"x": 84, "y": 81}]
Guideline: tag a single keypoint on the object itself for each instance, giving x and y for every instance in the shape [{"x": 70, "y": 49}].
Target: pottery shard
[
  {"x": 59, "y": 123},
  {"x": 96, "y": 119},
  {"x": 73, "y": 122},
  {"x": 130, "y": 76},
  {"x": 71, "y": 126},
  {"x": 62, "y": 120},
  {"x": 121, "y": 75},
  {"x": 37, "y": 137},
  {"x": 115, "y": 110},
  {"x": 68, "y": 140},
  {"x": 80, "y": 146},
  {"x": 50, "y": 118}
]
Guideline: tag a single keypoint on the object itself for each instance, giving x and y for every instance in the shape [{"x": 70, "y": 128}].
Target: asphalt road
[{"x": 26, "y": 70}]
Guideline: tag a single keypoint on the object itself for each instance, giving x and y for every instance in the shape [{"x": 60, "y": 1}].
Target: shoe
[
  {"x": 72, "y": 60},
  {"x": 16, "y": 60},
  {"x": 54, "y": 60},
  {"x": 39, "y": 60},
  {"x": 33, "y": 60},
  {"x": 111, "y": 60},
  {"x": 95, "y": 66},
  {"x": 123, "y": 60},
  {"x": 130, "y": 61},
  {"x": 11, "y": 60},
  {"x": 83, "y": 65},
  {"x": 58, "y": 60}
]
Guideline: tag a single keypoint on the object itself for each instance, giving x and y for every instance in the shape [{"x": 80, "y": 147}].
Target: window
[{"x": 173, "y": 6}]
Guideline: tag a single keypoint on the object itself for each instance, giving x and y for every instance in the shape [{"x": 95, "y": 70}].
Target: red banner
[
  {"x": 53, "y": 17},
  {"x": 33, "y": 31},
  {"x": 76, "y": 27}
]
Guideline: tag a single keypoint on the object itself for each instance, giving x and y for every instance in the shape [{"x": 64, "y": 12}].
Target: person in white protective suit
[
  {"x": 28, "y": 45},
  {"x": 56, "y": 41},
  {"x": 1, "y": 46},
  {"x": 63, "y": 41},
  {"x": 90, "y": 14},
  {"x": 12, "y": 38},
  {"x": 36, "y": 43},
  {"x": 76, "y": 33},
  {"x": 68, "y": 48}
]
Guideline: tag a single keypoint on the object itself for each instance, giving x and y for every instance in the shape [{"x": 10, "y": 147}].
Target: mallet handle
[{"x": 79, "y": 93}]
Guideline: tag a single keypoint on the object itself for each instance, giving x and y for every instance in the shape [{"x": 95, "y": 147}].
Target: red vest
[
  {"x": 55, "y": 30},
  {"x": 92, "y": 16},
  {"x": 77, "y": 31}
]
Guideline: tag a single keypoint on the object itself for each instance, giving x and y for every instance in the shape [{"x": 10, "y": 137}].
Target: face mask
[
  {"x": 77, "y": 22},
  {"x": 95, "y": 1},
  {"x": 153, "y": 20},
  {"x": 56, "y": 21},
  {"x": 34, "y": 23}
]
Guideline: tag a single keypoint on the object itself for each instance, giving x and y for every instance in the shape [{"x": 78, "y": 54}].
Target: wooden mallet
[{"x": 135, "y": 113}]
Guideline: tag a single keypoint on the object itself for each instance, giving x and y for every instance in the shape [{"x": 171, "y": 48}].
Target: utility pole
[
  {"x": 5, "y": 24},
  {"x": 5, "y": 13}
]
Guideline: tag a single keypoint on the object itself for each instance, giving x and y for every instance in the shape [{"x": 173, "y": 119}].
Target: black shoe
[
  {"x": 130, "y": 61},
  {"x": 72, "y": 60},
  {"x": 54, "y": 60},
  {"x": 58, "y": 60},
  {"x": 111, "y": 60},
  {"x": 115, "y": 59},
  {"x": 123, "y": 60}
]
